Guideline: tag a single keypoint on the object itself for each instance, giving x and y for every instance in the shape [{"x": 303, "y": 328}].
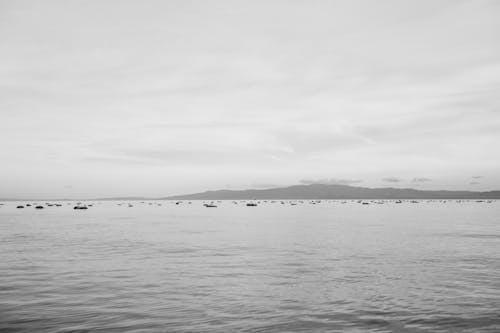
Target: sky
[{"x": 155, "y": 98}]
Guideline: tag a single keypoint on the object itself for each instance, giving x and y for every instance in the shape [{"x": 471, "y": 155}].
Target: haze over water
[{"x": 426, "y": 267}]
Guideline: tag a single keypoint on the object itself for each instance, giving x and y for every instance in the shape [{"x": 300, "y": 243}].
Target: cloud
[
  {"x": 192, "y": 156},
  {"x": 316, "y": 138},
  {"x": 252, "y": 186},
  {"x": 392, "y": 180},
  {"x": 420, "y": 180},
  {"x": 474, "y": 183},
  {"x": 330, "y": 181},
  {"x": 263, "y": 186},
  {"x": 477, "y": 177}
]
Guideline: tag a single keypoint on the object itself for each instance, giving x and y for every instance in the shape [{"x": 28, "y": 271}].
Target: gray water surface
[{"x": 328, "y": 267}]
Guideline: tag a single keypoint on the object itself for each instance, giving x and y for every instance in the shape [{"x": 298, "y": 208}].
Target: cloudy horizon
[{"x": 157, "y": 98}]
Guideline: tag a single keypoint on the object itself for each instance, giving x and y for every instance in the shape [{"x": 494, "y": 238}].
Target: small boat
[
  {"x": 251, "y": 204},
  {"x": 80, "y": 207},
  {"x": 210, "y": 205},
  {"x": 20, "y": 207},
  {"x": 39, "y": 207}
]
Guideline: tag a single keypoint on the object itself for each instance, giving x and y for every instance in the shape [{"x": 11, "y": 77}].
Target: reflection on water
[{"x": 272, "y": 268}]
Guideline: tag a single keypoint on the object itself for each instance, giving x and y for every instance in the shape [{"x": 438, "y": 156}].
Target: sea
[{"x": 280, "y": 266}]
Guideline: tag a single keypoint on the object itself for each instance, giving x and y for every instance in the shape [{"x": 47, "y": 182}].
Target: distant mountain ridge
[{"x": 323, "y": 191}]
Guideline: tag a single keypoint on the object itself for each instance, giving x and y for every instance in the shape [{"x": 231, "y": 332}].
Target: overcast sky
[{"x": 108, "y": 98}]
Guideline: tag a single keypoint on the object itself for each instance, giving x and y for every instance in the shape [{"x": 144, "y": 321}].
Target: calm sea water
[{"x": 332, "y": 267}]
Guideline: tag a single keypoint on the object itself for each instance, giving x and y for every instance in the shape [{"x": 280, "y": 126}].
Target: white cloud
[
  {"x": 421, "y": 180},
  {"x": 392, "y": 180},
  {"x": 330, "y": 181}
]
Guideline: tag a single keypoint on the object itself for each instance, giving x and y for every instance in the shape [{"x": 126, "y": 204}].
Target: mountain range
[{"x": 323, "y": 191}]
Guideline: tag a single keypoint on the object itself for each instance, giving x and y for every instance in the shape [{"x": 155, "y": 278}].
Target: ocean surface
[{"x": 325, "y": 267}]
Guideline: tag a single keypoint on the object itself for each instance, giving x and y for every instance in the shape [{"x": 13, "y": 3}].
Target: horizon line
[{"x": 172, "y": 197}]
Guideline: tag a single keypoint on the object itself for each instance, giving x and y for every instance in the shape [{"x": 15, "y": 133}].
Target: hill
[{"x": 321, "y": 191}]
